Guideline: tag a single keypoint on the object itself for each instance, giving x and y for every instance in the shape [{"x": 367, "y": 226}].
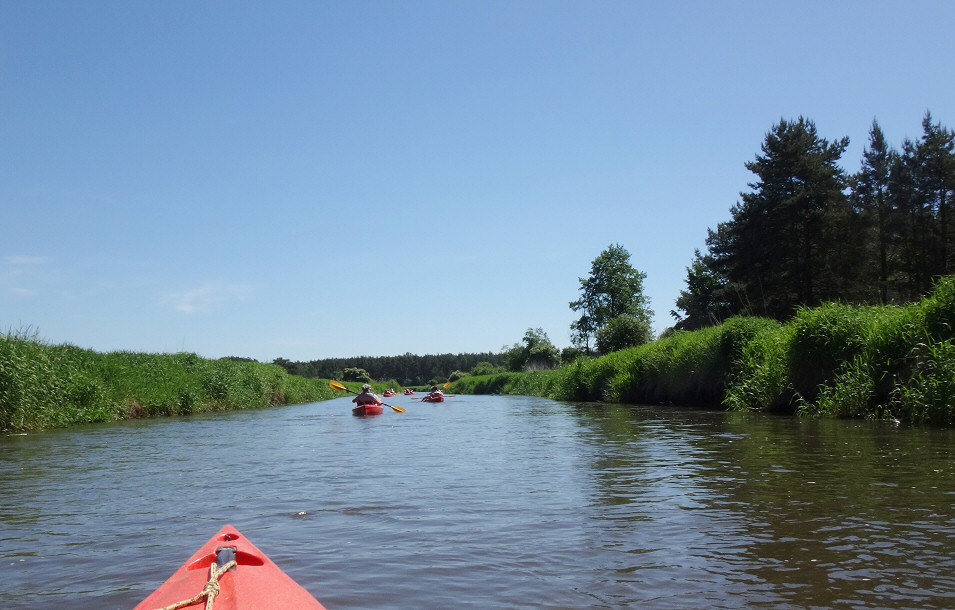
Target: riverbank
[
  {"x": 890, "y": 362},
  {"x": 54, "y": 386}
]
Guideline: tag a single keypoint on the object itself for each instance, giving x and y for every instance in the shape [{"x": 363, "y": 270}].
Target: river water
[{"x": 500, "y": 502}]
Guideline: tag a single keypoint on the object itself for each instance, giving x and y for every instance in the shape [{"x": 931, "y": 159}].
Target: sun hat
[{"x": 366, "y": 387}]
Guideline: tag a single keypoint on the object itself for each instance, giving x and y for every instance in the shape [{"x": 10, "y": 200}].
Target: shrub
[
  {"x": 622, "y": 332},
  {"x": 356, "y": 374},
  {"x": 486, "y": 368}
]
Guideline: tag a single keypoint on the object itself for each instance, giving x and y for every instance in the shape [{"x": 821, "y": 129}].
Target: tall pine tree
[
  {"x": 871, "y": 198},
  {"x": 789, "y": 234},
  {"x": 916, "y": 245},
  {"x": 935, "y": 181},
  {"x": 800, "y": 239}
]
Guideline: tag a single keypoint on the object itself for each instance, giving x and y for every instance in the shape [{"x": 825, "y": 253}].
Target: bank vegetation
[
  {"x": 53, "y": 386},
  {"x": 835, "y": 360}
]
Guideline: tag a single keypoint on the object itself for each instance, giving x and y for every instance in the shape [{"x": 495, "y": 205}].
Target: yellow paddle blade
[
  {"x": 447, "y": 385},
  {"x": 336, "y": 386},
  {"x": 397, "y": 409}
]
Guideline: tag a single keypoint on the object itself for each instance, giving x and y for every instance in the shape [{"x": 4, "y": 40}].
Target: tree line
[
  {"x": 407, "y": 369},
  {"x": 809, "y": 232}
]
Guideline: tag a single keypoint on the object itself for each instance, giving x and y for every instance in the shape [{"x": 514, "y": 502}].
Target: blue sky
[{"x": 314, "y": 179}]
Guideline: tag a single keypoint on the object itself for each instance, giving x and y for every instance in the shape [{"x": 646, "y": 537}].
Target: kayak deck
[{"x": 255, "y": 583}]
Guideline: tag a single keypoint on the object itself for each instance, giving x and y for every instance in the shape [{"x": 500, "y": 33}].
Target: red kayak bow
[{"x": 237, "y": 574}]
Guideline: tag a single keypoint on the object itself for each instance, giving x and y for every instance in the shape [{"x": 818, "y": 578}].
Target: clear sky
[{"x": 325, "y": 179}]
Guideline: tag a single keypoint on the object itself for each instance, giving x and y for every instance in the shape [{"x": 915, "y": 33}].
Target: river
[{"x": 499, "y": 502}]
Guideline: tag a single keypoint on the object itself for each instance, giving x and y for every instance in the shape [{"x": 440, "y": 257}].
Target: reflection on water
[
  {"x": 499, "y": 501},
  {"x": 775, "y": 510}
]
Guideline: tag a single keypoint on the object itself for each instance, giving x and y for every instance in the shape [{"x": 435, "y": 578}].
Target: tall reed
[{"x": 49, "y": 386}]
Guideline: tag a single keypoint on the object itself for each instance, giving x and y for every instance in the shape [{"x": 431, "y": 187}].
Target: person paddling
[
  {"x": 367, "y": 397},
  {"x": 435, "y": 392}
]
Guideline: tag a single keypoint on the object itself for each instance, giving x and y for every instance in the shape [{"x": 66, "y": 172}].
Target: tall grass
[
  {"x": 50, "y": 386},
  {"x": 892, "y": 362}
]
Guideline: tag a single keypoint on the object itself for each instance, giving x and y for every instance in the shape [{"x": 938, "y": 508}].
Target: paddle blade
[
  {"x": 447, "y": 385},
  {"x": 337, "y": 386},
  {"x": 397, "y": 409}
]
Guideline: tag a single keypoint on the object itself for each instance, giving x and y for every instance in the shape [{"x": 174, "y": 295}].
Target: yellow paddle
[{"x": 337, "y": 386}]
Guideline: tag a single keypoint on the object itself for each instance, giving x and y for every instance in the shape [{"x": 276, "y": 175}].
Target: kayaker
[
  {"x": 367, "y": 397},
  {"x": 435, "y": 392}
]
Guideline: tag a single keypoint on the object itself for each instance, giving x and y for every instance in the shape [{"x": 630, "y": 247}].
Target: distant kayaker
[
  {"x": 435, "y": 392},
  {"x": 367, "y": 397}
]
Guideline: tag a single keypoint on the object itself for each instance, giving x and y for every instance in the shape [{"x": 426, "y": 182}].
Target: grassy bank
[
  {"x": 51, "y": 386},
  {"x": 835, "y": 360}
]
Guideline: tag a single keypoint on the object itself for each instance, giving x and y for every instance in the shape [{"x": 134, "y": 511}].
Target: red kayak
[
  {"x": 409, "y": 392},
  {"x": 372, "y": 409},
  {"x": 254, "y": 583},
  {"x": 433, "y": 398},
  {"x": 389, "y": 394}
]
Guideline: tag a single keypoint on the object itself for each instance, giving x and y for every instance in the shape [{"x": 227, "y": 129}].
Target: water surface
[{"x": 500, "y": 502}]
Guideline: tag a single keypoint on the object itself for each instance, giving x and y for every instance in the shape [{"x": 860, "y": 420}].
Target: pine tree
[
  {"x": 703, "y": 302},
  {"x": 871, "y": 197},
  {"x": 935, "y": 181},
  {"x": 912, "y": 223},
  {"x": 786, "y": 244}
]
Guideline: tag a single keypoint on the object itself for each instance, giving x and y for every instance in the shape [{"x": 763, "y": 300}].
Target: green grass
[
  {"x": 892, "y": 362},
  {"x": 52, "y": 386}
]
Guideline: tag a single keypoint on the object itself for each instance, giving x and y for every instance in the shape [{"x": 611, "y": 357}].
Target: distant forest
[{"x": 407, "y": 369}]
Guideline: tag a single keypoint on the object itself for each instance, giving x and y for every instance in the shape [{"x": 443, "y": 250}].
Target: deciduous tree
[
  {"x": 534, "y": 352},
  {"x": 614, "y": 288}
]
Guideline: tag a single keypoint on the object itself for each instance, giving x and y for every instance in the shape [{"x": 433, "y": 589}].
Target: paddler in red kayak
[
  {"x": 435, "y": 393},
  {"x": 367, "y": 397}
]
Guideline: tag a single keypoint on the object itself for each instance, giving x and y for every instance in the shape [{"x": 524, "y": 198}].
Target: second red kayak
[
  {"x": 433, "y": 398},
  {"x": 362, "y": 410},
  {"x": 254, "y": 583}
]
